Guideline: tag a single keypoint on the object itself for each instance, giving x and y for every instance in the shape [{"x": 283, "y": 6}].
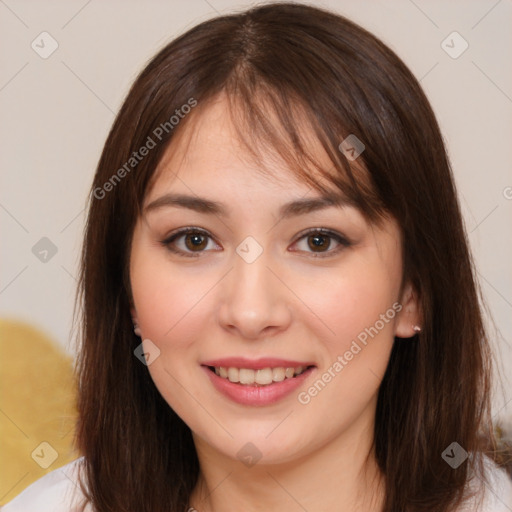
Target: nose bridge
[
  {"x": 252, "y": 301},
  {"x": 251, "y": 278},
  {"x": 250, "y": 269}
]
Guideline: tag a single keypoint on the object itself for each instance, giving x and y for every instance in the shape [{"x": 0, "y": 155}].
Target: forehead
[{"x": 216, "y": 144}]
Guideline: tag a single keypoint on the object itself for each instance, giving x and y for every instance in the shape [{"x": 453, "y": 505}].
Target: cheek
[
  {"x": 359, "y": 308},
  {"x": 165, "y": 298},
  {"x": 170, "y": 313},
  {"x": 353, "y": 302}
]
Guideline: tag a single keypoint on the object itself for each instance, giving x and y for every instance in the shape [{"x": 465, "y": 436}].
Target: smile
[
  {"x": 261, "y": 377},
  {"x": 257, "y": 383}
]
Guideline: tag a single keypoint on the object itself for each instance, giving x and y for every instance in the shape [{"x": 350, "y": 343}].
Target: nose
[{"x": 254, "y": 303}]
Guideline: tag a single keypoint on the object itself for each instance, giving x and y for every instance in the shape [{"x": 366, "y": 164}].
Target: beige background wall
[{"x": 56, "y": 113}]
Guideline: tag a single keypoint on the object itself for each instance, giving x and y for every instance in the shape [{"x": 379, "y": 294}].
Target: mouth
[
  {"x": 260, "y": 377},
  {"x": 261, "y": 382}
]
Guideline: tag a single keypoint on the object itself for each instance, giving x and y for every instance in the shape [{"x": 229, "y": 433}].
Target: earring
[
  {"x": 136, "y": 330},
  {"x": 416, "y": 328}
]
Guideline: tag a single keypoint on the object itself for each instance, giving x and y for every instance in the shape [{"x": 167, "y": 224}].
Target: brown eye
[
  {"x": 190, "y": 242},
  {"x": 318, "y": 242},
  {"x": 196, "y": 241}
]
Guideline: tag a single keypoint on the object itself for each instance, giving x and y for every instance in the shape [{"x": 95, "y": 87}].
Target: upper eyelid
[
  {"x": 323, "y": 231},
  {"x": 186, "y": 230}
]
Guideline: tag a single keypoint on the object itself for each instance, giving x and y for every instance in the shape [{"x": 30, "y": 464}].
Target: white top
[{"x": 59, "y": 491}]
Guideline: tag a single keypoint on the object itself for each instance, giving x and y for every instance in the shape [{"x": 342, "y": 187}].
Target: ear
[
  {"x": 409, "y": 319},
  {"x": 135, "y": 321},
  {"x": 133, "y": 312}
]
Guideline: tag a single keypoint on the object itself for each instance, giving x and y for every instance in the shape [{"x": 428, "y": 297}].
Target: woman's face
[{"x": 296, "y": 297}]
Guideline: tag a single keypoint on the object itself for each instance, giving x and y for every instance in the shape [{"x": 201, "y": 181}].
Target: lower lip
[{"x": 257, "y": 395}]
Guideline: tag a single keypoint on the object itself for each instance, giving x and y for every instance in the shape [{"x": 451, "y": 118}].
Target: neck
[{"x": 340, "y": 475}]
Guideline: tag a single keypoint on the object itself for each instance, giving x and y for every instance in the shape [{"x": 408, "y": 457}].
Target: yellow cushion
[{"x": 37, "y": 407}]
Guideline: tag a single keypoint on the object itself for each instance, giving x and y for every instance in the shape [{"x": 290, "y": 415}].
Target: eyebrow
[{"x": 203, "y": 205}]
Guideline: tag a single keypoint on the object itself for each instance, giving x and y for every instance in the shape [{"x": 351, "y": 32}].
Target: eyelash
[{"x": 341, "y": 240}]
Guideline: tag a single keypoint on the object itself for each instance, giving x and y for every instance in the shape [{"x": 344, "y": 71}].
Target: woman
[{"x": 279, "y": 308}]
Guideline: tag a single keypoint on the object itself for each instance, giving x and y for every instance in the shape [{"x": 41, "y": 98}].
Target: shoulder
[
  {"x": 57, "y": 491},
  {"x": 494, "y": 494}
]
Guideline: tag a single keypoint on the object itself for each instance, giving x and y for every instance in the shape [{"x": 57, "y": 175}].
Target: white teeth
[
  {"x": 246, "y": 376},
  {"x": 233, "y": 374},
  {"x": 262, "y": 377},
  {"x": 278, "y": 374}
]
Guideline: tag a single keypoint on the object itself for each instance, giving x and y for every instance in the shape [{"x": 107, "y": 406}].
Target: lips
[{"x": 257, "y": 382}]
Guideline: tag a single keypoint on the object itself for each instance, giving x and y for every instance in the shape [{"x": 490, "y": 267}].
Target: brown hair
[{"x": 276, "y": 63}]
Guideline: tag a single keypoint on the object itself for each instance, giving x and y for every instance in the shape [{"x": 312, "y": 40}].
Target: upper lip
[{"x": 256, "y": 364}]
